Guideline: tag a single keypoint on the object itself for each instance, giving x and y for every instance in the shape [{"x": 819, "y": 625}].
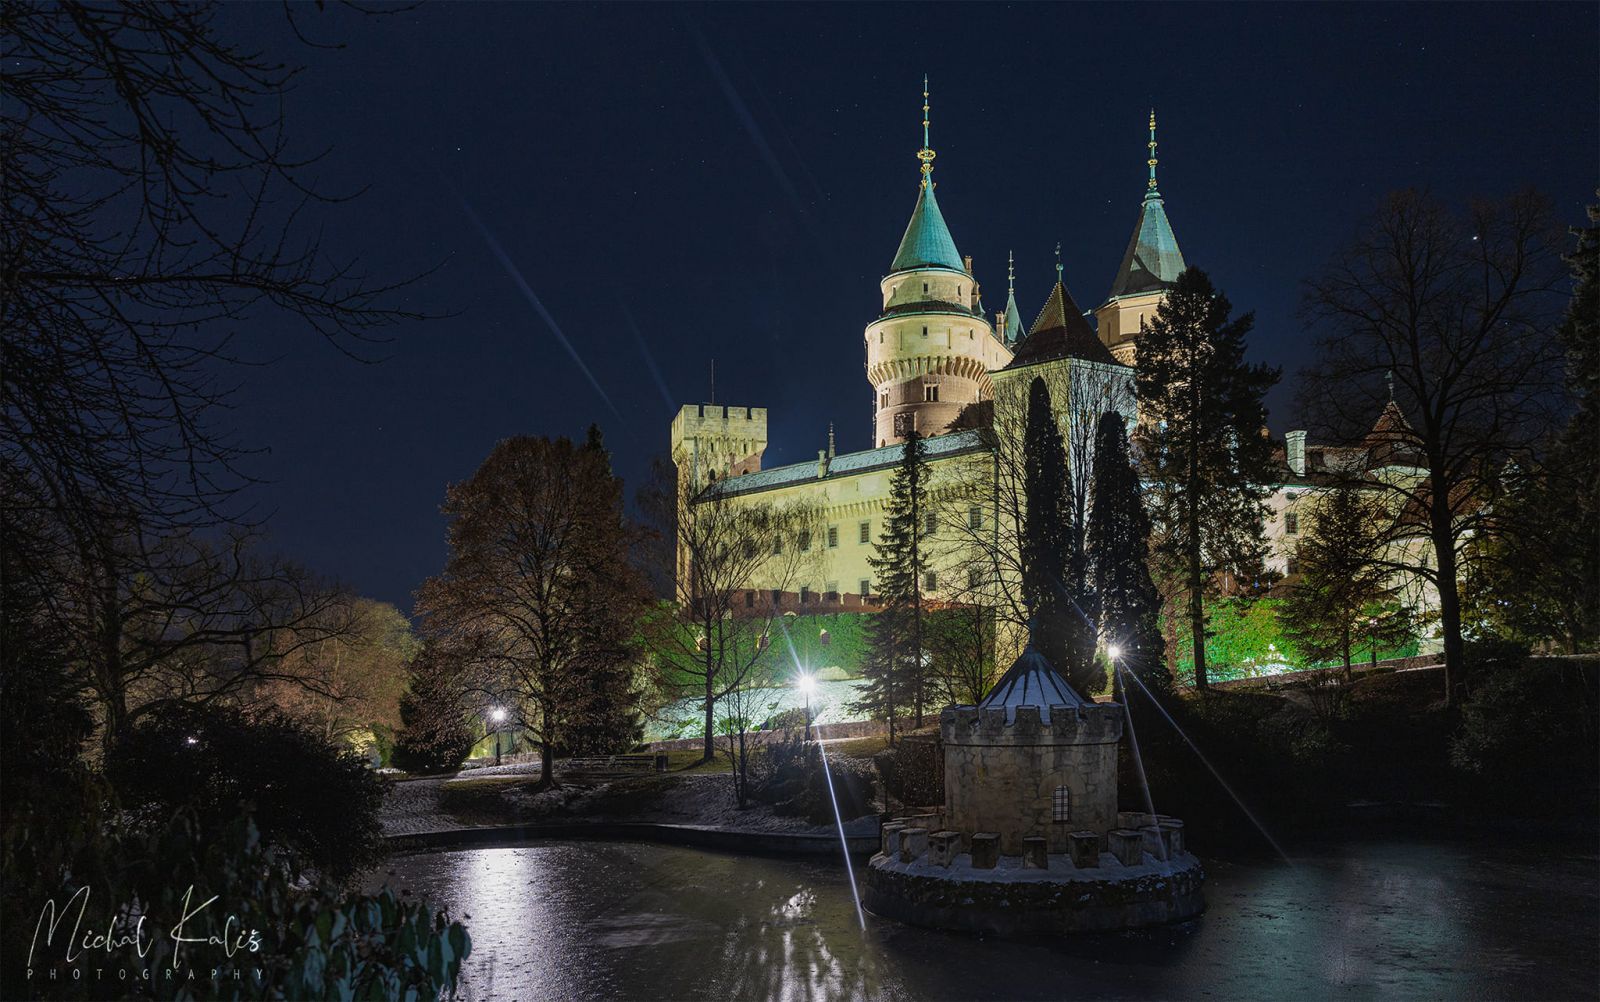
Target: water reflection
[{"x": 1397, "y": 919}]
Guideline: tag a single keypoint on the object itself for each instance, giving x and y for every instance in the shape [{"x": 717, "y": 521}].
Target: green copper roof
[
  {"x": 927, "y": 243},
  {"x": 1153, "y": 261},
  {"x": 1014, "y": 330}
]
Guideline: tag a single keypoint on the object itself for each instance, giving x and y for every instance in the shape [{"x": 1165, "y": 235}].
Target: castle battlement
[{"x": 1088, "y": 724}]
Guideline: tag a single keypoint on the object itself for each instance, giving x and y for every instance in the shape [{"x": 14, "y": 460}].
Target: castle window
[
  {"x": 930, "y": 524},
  {"x": 831, "y": 594},
  {"x": 866, "y": 587},
  {"x": 974, "y": 517},
  {"x": 1291, "y": 523},
  {"x": 904, "y": 422},
  {"x": 749, "y": 600},
  {"x": 805, "y": 541},
  {"x": 866, "y": 532},
  {"x": 833, "y": 537},
  {"x": 1061, "y": 805},
  {"x": 1291, "y": 564},
  {"x": 930, "y": 393},
  {"x": 777, "y": 545},
  {"x": 805, "y": 595},
  {"x": 930, "y": 582},
  {"x": 924, "y": 332},
  {"x": 974, "y": 577},
  {"x": 924, "y": 288},
  {"x": 777, "y": 598},
  {"x": 883, "y": 400}
]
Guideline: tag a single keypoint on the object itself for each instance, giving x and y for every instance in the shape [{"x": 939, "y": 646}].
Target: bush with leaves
[
  {"x": 318, "y": 801},
  {"x": 310, "y": 944},
  {"x": 433, "y": 733},
  {"x": 1527, "y": 723}
]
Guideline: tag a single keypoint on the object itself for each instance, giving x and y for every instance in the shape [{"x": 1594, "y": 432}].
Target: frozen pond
[{"x": 1400, "y": 918}]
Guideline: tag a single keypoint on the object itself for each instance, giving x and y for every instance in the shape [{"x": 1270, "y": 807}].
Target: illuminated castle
[{"x": 940, "y": 364}]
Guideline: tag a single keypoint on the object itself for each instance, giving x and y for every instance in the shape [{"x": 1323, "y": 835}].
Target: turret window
[
  {"x": 866, "y": 532},
  {"x": 1291, "y": 523},
  {"x": 930, "y": 393},
  {"x": 833, "y": 541},
  {"x": 924, "y": 288},
  {"x": 924, "y": 332},
  {"x": 1061, "y": 805},
  {"x": 930, "y": 582}
]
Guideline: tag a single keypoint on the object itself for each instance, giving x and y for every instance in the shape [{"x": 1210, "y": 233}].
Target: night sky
[{"x": 676, "y": 184}]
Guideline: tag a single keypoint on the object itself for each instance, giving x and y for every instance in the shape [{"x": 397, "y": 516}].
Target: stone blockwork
[{"x": 1037, "y": 775}]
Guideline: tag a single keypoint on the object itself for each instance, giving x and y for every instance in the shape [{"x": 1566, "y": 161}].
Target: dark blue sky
[{"x": 682, "y": 183}]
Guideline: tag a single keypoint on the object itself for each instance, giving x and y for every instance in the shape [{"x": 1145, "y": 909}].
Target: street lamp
[
  {"x": 807, "y": 683},
  {"x": 1114, "y": 652},
  {"x": 498, "y": 715}
]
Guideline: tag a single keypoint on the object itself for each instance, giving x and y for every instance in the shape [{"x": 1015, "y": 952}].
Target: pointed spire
[
  {"x": 1388, "y": 378},
  {"x": 1059, "y": 269},
  {"x": 1013, "y": 321},
  {"x": 1152, "y": 160},
  {"x": 926, "y": 153},
  {"x": 1152, "y": 261}
]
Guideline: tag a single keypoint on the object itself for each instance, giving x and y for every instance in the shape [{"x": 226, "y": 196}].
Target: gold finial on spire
[
  {"x": 1152, "y": 144},
  {"x": 926, "y": 153}
]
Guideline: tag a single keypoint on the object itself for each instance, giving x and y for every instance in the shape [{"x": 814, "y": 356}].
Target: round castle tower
[
  {"x": 1030, "y": 840},
  {"x": 930, "y": 352}
]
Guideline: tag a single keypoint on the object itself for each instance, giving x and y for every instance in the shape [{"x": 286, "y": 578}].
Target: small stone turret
[{"x": 1034, "y": 759}]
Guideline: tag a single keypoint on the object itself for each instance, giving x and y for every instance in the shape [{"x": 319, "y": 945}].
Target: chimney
[
  {"x": 1295, "y": 452},
  {"x": 968, "y": 260},
  {"x": 822, "y": 463}
]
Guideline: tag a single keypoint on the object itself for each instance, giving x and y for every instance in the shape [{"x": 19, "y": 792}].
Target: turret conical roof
[
  {"x": 1014, "y": 329},
  {"x": 927, "y": 243},
  {"x": 1060, "y": 331},
  {"x": 1152, "y": 262},
  {"x": 1032, "y": 681}
]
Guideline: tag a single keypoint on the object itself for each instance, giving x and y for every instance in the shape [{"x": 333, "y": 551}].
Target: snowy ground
[{"x": 830, "y": 704}]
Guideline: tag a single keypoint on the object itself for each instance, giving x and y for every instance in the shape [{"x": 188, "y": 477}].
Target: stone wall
[{"x": 1002, "y": 777}]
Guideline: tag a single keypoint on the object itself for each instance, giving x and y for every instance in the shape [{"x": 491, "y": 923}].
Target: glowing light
[
  {"x": 1114, "y": 651},
  {"x": 498, "y": 714},
  {"x": 806, "y": 683},
  {"x": 191, "y": 741}
]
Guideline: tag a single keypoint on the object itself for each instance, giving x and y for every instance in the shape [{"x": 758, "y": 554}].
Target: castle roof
[
  {"x": 1060, "y": 331},
  {"x": 1013, "y": 320},
  {"x": 1032, "y": 681},
  {"x": 887, "y": 457},
  {"x": 927, "y": 242},
  {"x": 1152, "y": 262}
]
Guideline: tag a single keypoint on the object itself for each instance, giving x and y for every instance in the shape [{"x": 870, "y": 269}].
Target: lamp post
[
  {"x": 498, "y": 715},
  {"x": 1114, "y": 652},
  {"x": 807, "y": 683}
]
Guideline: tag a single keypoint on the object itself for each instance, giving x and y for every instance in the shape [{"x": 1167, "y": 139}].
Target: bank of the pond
[{"x": 861, "y": 837}]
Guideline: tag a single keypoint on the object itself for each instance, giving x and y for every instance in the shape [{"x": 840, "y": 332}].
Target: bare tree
[
  {"x": 538, "y": 596},
  {"x": 736, "y": 557},
  {"x": 1457, "y": 311}
]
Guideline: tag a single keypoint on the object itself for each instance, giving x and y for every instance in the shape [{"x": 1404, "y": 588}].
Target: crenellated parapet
[{"x": 1086, "y": 724}]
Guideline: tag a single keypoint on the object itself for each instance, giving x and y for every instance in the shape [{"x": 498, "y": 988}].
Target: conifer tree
[
  {"x": 1052, "y": 549},
  {"x": 1201, "y": 445},
  {"x": 1118, "y": 544},
  {"x": 1343, "y": 585},
  {"x": 893, "y": 666}
]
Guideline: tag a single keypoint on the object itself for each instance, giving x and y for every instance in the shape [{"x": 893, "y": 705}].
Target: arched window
[{"x": 1061, "y": 805}]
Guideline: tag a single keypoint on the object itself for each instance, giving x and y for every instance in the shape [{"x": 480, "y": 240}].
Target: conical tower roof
[
  {"x": 1060, "y": 331},
  {"x": 1152, "y": 262},
  {"x": 1014, "y": 330},
  {"x": 1032, "y": 681},
  {"x": 927, "y": 242}
]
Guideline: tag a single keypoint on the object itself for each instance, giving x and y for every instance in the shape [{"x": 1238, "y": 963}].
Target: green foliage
[
  {"x": 1118, "y": 549},
  {"x": 316, "y": 800},
  {"x": 893, "y": 666},
  {"x": 1201, "y": 450},
  {"x": 1054, "y": 578},
  {"x": 1246, "y": 638},
  {"x": 845, "y": 648},
  {"x": 313, "y": 943}
]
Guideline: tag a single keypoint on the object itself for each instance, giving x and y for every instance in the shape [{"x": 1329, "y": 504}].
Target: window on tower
[
  {"x": 904, "y": 423},
  {"x": 930, "y": 393},
  {"x": 833, "y": 537},
  {"x": 924, "y": 332},
  {"x": 866, "y": 532}
]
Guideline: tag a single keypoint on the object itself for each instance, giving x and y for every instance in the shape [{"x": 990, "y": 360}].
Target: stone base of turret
[{"x": 1018, "y": 897}]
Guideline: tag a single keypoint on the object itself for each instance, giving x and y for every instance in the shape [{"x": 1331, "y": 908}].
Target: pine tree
[
  {"x": 1052, "y": 551},
  {"x": 1202, "y": 414},
  {"x": 1344, "y": 588},
  {"x": 1119, "y": 551},
  {"x": 893, "y": 666}
]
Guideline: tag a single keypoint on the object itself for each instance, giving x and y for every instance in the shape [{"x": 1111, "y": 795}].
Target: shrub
[
  {"x": 315, "y": 800},
  {"x": 913, "y": 771},
  {"x": 1526, "y": 723},
  {"x": 433, "y": 732},
  {"x": 313, "y": 944}
]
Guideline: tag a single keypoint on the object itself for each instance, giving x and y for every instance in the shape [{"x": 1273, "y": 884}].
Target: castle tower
[
  {"x": 709, "y": 442},
  {"x": 930, "y": 352},
  {"x": 1149, "y": 268}
]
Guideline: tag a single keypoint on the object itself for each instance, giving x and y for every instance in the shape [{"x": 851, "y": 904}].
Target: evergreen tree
[
  {"x": 1052, "y": 551},
  {"x": 893, "y": 665},
  {"x": 1119, "y": 551},
  {"x": 1344, "y": 587},
  {"x": 1201, "y": 445}
]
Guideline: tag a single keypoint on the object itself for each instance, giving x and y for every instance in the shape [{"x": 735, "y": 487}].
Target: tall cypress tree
[
  {"x": 893, "y": 665},
  {"x": 1052, "y": 547},
  {"x": 1119, "y": 550},
  {"x": 1202, "y": 446}
]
